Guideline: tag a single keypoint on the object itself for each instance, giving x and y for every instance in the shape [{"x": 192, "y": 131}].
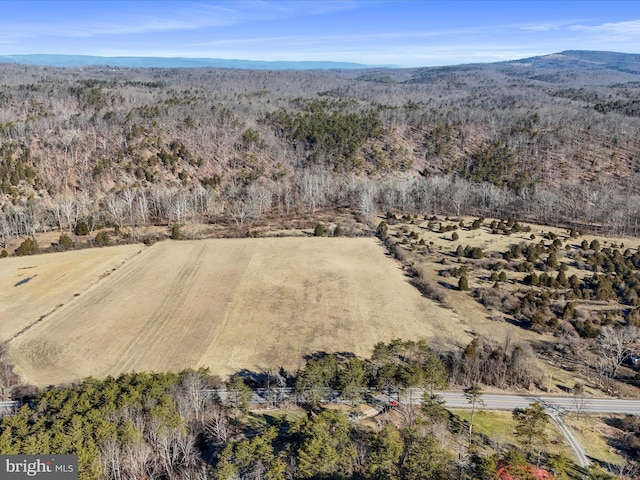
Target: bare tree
[
  {"x": 86, "y": 209},
  {"x": 367, "y": 200},
  {"x": 142, "y": 207},
  {"x": 459, "y": 193},
  {"x": 115, "y": 208},
  {"x": 259, "y": 198},
  {"x": 240, "y": 212},
  {"x": 217, "y": 427},
  {"x": 312, "y": 191},
  {"x": 129, "y": 197},
  {"x": 179, "y": 209},
  {"x": 68, "y": 208},
  {"x": 616, "y": 345},
  {"x": 5, "y": 231},
  {"x": 189, "y": 399},
  {"x": 111, "y": 456}
]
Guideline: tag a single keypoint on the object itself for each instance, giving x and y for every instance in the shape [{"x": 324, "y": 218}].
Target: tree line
[{"x": 599, "y": 208}]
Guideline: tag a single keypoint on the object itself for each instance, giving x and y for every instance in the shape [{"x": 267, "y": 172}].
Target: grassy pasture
[{"x": 227, "y": 304}]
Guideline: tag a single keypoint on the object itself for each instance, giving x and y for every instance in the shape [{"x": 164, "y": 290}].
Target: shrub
[
  {"x": 176, "y": 234},
  {"x": 28, "y": 247},
  {"x": 338, "y": 232},
  {"x": 454, "y": 236},
  {"x": 569, "y": 310},
  {"x": 4, "y": 254},
  {"x": 552, "y": 261},
  {"x": 428, "y": 288},
  {"x": 65, "y": 242},
  {"x": 381, "y": 231},
  {"x": 503, "y": 276},
  {"x": 586, "y": 329},
  {"x": 82, "y": 228},
  {"x": 319, "y": 231},
  {"x": 102, "y": 239},
  {"x": 149, "y": 240},
  {"x": 463, "y": 283},
  {"x": 473, "y": 252}
]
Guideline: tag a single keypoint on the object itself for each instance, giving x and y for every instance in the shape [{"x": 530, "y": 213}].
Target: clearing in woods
[{"x": 227, "y": 304}]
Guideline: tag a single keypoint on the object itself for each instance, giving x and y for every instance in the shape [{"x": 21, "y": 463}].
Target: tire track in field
[
  {"x": 218, "y": 343},
  {"x": 169, "y": 311},
  {"x": 222, "y": 273}
]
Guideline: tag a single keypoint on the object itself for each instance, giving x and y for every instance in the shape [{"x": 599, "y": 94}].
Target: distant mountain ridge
[
  {"x": 173, "y": 62},
  {"x": 583, "y": 60}
]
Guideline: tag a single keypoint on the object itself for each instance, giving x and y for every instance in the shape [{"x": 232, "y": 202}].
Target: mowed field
[
  {"x": 32, "y": 287},
  {"x": 227, "y": 304}
]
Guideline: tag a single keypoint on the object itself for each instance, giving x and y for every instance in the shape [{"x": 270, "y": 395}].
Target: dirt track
[{"x": 232, "y": 304}]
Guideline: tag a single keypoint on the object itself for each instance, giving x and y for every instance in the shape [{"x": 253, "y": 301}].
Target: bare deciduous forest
[
  {"x": 488, "y": 184},
  {"x": 553, "y": 139}
]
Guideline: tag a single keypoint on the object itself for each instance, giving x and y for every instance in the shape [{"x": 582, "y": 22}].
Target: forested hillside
[{"x": 554, "y": 138}]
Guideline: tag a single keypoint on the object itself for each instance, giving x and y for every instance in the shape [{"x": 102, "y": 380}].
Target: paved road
[
  {"x": 9, "y": 408},
  {"x": 552, "y": 404},
  {"x": 557, "y": 404}
]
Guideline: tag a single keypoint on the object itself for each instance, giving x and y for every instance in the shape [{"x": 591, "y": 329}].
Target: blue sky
[{"x": 403, "y": 33}]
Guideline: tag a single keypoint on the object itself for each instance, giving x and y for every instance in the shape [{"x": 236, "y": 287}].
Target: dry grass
[
  {"x": 31, "y": 287},
  {"x": 230, "y": 304},
  {"x": 499, "y": 427},
  {"x": 592, "y": 431}
]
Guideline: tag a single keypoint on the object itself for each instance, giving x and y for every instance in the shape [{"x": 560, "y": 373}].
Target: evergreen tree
[
  {"x": 530, "y": 427},
  {"x": 65, "y": 242},
  {"x": 325, "y": 448},
  {"x": 386, "y": 449},
  {"x": 28, "y": 247},
  {"x": 239, "y": 393},
  {"x": 423, "y": 458}
]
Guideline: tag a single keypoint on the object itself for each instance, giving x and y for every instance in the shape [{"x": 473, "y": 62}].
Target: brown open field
[
  {"x": 226, "y": 304},
  {"x": 32, "y": 287}
]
